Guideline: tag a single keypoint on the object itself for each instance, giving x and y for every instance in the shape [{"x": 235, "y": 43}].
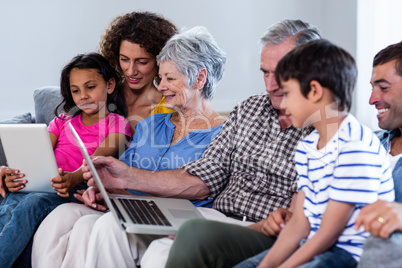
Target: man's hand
[
  {"x": 381, "y": 218},
  {"x": 111, "y": 170},
  {"x": 275, "y": 222},
  {"x": 14, "y": 181}
]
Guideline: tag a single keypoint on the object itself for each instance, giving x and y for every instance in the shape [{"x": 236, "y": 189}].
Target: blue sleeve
[{"x": 130, "y": 151}]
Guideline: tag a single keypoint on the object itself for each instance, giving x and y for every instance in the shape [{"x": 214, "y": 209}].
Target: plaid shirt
[{"x": 249, "y": 167}]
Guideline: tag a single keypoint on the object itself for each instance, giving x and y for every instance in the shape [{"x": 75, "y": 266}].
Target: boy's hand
[
  {"x": 12, "y": 175},
  {"x": 275, "y": 222},
  {"x": 65, "y": 182}
]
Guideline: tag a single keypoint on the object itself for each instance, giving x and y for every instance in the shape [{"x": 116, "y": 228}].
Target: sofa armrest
[{"x": 45, "y": 101}]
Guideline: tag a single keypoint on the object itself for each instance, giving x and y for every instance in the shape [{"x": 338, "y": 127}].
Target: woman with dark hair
[{"x": 131, "y": 44}]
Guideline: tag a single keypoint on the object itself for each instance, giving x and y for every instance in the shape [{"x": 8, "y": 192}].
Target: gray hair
[
  {"x": 302, "y": 33},
  {"x": 193, "y": 50}
]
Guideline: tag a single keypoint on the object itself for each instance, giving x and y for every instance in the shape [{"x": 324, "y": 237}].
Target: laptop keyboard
[{"x": 144, "y": 212}]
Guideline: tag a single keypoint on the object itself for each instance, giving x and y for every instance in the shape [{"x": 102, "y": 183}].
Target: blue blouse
[{"x": 150, "y": 147}]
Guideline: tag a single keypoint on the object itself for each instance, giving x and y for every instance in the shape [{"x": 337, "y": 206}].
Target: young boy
[{"x": 341, "y": 165}]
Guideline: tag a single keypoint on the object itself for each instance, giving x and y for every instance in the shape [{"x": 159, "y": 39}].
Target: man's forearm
[{"x": 168, "y": 183}]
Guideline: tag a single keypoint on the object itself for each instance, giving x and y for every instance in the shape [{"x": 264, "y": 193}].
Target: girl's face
[
  {"x": 174, "y": 87},
  {"x": 139, "y": 67},
  {"x": 89, "y": 91}
]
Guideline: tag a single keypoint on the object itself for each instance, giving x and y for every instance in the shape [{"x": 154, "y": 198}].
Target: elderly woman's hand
[
  {"x": 381, "y": 218},
  {"x": 91, "y": 198}
]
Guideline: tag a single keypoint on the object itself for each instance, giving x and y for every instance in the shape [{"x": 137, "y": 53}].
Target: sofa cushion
[
  {"x": 20, "y": 119},
  {"x": 45, "y": 101}
]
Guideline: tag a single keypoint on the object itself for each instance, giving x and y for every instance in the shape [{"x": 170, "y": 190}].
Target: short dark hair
[
  {"x": 390, "y": 53},
  {"x": 328, "y": 64}
]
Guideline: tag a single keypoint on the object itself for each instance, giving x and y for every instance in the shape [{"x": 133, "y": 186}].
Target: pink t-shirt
[{"x": 67, "y": 153}]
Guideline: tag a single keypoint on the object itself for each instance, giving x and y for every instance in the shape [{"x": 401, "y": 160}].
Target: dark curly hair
[{"x": 149, "y": 30}]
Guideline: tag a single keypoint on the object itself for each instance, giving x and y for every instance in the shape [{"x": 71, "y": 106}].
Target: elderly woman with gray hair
[{"x": 190, "y": 67}]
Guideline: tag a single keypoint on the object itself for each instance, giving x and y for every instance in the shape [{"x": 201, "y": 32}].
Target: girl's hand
[
  {"x": 2, "y": 181},
  {"x": 92, "y": 198},
  {"x": 14, "y": 181},
  {"x": 65, "y": 182}
]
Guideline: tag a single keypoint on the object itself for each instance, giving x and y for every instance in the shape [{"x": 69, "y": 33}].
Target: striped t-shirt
[{"x": 353, "y": 167}]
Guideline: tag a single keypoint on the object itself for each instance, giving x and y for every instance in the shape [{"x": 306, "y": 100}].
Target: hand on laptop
[
  {"x": 14, "y": 181},
  {"x": 111, "y": 171}
]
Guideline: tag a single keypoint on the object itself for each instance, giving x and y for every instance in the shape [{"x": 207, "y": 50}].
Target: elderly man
[
  {"x": 384, "y": 219},
  {"x": 248, "y": 168}
]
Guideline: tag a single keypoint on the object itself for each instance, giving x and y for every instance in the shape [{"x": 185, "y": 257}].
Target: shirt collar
[{"x": 391, "y": 133}]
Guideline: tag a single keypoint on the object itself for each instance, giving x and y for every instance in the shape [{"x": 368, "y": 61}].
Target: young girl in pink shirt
[{"x": 95, "y": 106}]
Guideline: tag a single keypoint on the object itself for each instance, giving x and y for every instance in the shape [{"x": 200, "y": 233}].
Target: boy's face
[
  {"x": 387, "y": 95},
  {"x": 295, "y": 104}
]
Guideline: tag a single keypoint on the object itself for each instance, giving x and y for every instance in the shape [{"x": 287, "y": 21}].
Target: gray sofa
[{"x": 45, "y": 100}]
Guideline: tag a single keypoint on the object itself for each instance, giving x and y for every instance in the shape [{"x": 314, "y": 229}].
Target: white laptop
[
  {"x": 142, "y": 214},
  {"x": 28, "y": 148}
]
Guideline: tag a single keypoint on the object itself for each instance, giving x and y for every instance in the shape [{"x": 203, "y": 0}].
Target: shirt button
[{"x": 244, "y": 193}]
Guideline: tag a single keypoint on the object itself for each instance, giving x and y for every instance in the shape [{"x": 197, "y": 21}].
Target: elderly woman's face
[{"x": 173, "y": 86}]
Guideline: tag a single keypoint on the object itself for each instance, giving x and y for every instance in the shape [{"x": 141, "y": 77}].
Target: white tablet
[{"x": 28, "y": 148}]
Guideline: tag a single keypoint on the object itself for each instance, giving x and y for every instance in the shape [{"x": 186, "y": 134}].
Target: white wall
[{"x": 38, "y": 37}]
